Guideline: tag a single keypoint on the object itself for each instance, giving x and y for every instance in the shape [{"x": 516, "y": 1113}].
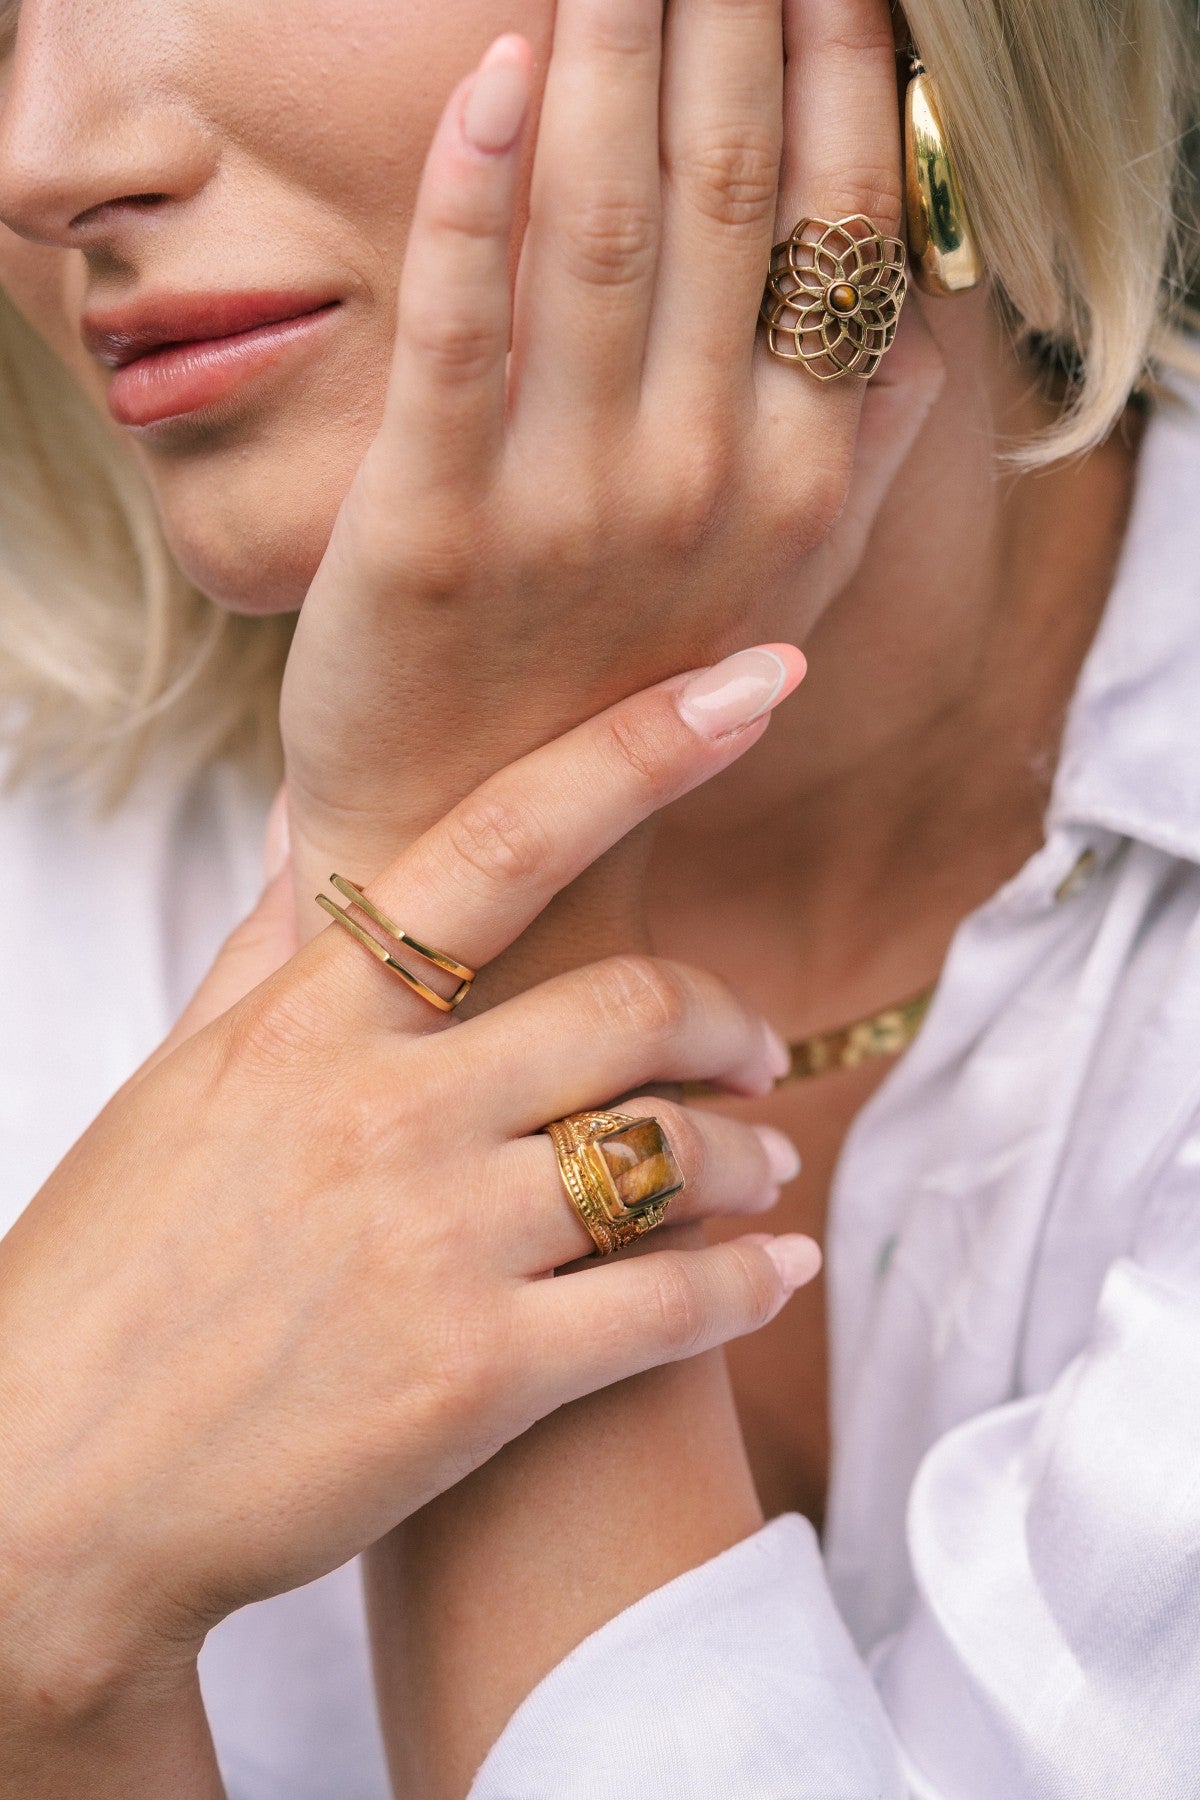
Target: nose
[{"x": 91, "y": 138}]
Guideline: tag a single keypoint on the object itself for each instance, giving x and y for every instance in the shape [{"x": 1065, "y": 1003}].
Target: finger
[
  {"x": 586, "y": 275},
  {"x": 722, "y": 140},
  {"x": 581, "y": 1039},
  {"x": 445, "y": 409},
  {"x": 897, "y": 404},
  {"x": 728, "y": 1167},
  {"x": 842, "y": 154},
  {"x": 473, "y": 883},
  {"x": 841, "y": 120},
  {"x": 612, "y": 1320}
]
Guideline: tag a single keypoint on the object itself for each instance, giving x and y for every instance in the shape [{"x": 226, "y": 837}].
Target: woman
[{"x": 281, "y": 1299}]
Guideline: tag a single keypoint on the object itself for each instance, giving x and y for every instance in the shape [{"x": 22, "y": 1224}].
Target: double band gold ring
[{"x": 400, "y": 940}]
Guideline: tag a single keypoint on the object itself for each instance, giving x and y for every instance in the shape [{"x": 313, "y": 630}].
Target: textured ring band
[
  {"x": 402, "y": 940},
  {"x": 833, "y": 297},
  {"x": 619, "y": 1173}
]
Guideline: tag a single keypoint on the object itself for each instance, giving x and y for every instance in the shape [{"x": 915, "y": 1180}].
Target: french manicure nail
[
  {"x": 783, "y": 1158},
  {"x": 739, "y": 690},
  {"x": 798, "y": 1259},
  {"x": 499, "y": 98}
]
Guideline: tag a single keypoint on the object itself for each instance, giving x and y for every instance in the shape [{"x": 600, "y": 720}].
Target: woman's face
[{"x": 179, "y": 169}]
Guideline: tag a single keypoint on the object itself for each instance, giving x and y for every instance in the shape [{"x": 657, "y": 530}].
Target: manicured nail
[
  {"x": 499, "y": 98},
  {"x": 734, "y": 693},
  {"x": 783, "y": 1158},
  {"x": 798, "y": 1259},
  {"x": 779, "y": 1052},
  {"x": 277, "y": 840}
]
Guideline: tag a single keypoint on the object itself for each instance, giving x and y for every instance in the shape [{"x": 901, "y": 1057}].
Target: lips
[{"x": 175, "y": 355}]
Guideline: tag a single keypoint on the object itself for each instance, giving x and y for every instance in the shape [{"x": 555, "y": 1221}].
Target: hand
[
  {"x": 290, "y": 1284},
  {"x": 603, "y": 480}
]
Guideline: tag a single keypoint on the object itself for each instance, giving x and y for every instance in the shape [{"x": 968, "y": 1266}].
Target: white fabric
[
  {"x": 1008, "y": 1607},
  {"x": 107, "y": 929}
]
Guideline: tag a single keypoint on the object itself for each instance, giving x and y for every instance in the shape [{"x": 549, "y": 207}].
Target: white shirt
[{"x": 1008, "y": 1603}]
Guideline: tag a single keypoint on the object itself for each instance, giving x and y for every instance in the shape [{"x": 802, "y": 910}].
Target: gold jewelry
[
  {"x": 884, "y": 1033},
  {"x": 400, "y": 937},
  {"x": 833, "y": 297},
  {"x": 619, "y": 1172},
  {"x": 945, "y": 256}
]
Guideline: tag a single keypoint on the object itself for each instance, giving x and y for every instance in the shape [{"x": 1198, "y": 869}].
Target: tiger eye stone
[
  {"x": 842, "y": 298},
  {"x": 639, "y": 1160}
]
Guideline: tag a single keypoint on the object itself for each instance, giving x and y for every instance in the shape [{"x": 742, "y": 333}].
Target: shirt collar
[{"x": 1130, "y": 760}]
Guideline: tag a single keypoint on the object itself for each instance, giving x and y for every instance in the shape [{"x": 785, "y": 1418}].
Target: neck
[{"x": 826, "y": 873}]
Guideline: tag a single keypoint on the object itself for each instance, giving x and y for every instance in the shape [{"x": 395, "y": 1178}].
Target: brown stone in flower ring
[{"x": 833, "y": 297}]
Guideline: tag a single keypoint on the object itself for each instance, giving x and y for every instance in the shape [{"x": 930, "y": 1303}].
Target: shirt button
[
  {"x": 1080, "y": 875},
  {"x": 887, "y": 1250}
]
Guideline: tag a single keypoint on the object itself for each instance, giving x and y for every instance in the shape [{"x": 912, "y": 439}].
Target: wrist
[
  {"x": 77, "y": 1645},
  {"x": 109, "y": 1739}
]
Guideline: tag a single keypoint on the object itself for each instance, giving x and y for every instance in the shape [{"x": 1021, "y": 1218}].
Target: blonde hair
[
  {"x": 106, "y": 651},
  {"x": 1073, "y": 126},
  {"x": 1071, "y": 123}
]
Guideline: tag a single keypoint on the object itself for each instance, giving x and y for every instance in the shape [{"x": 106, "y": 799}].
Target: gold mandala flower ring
[{"x": 833, "y": 297}]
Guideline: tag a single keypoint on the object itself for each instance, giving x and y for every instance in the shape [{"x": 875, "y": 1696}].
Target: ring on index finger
[
  {"x": 833, "y": 297},
  {"x": 619, "y": 1173},
  {"x": 400, "y": 940}
]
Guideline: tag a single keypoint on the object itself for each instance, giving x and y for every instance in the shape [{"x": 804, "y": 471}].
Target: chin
[{"x": 247, "y": 522}]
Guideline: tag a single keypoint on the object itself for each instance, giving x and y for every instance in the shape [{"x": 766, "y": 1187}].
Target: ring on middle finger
[
  {"x": 833, "y": 297},
  {"x": 620, "y": 1174}
]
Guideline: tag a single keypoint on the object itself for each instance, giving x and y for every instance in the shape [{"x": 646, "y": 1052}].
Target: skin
[{"x": 945, "y": 607}]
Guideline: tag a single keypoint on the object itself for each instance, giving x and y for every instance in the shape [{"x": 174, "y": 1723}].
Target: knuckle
[
  {"x": 805, "y": 519},
  {"x": 644, "y": 996},
  {"x": 703, "y": 477},
  {"x": 876, "y": 191},
  {"x": 362, "y": 1129},
  {"x": 618, "y": 32},
  {"x": 760, "y": 1290},
  {"x": 435, "y": 557},
  {"x": 471, "y": 1384},
  {"x": 269, "y": 1032},
  {"x": 436, "y": 565},
  {"x": 461, "y": 345},
  {"x": 611, "y": 239},
  {"x": 679, "y": 1308},
  {"x": 855, "y": 33},
  {"x": 641, "y": 743},
  {"x": 496, "y": 840},
  {"x": 732, "y": 181}
]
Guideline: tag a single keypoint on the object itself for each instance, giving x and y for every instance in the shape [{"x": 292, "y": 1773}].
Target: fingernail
[
  {"x": 798, "y": 1259},
  {"x": 277, "y": 840},
  {"x": 783, "y": 1158},
  {"x": 739, "y": 690},
  {"x": 499, "y": 98},
  {"x": 779, "y": 1053}
]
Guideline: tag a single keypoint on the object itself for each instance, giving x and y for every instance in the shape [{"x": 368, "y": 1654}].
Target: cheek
[
  {"x": 339, "y": 98},
  {"x": 47, "y": 287},
  {"x": 328, "y": 105}
]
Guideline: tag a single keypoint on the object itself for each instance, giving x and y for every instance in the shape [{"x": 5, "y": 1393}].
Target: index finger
[{"x": 473, "y": 883}]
